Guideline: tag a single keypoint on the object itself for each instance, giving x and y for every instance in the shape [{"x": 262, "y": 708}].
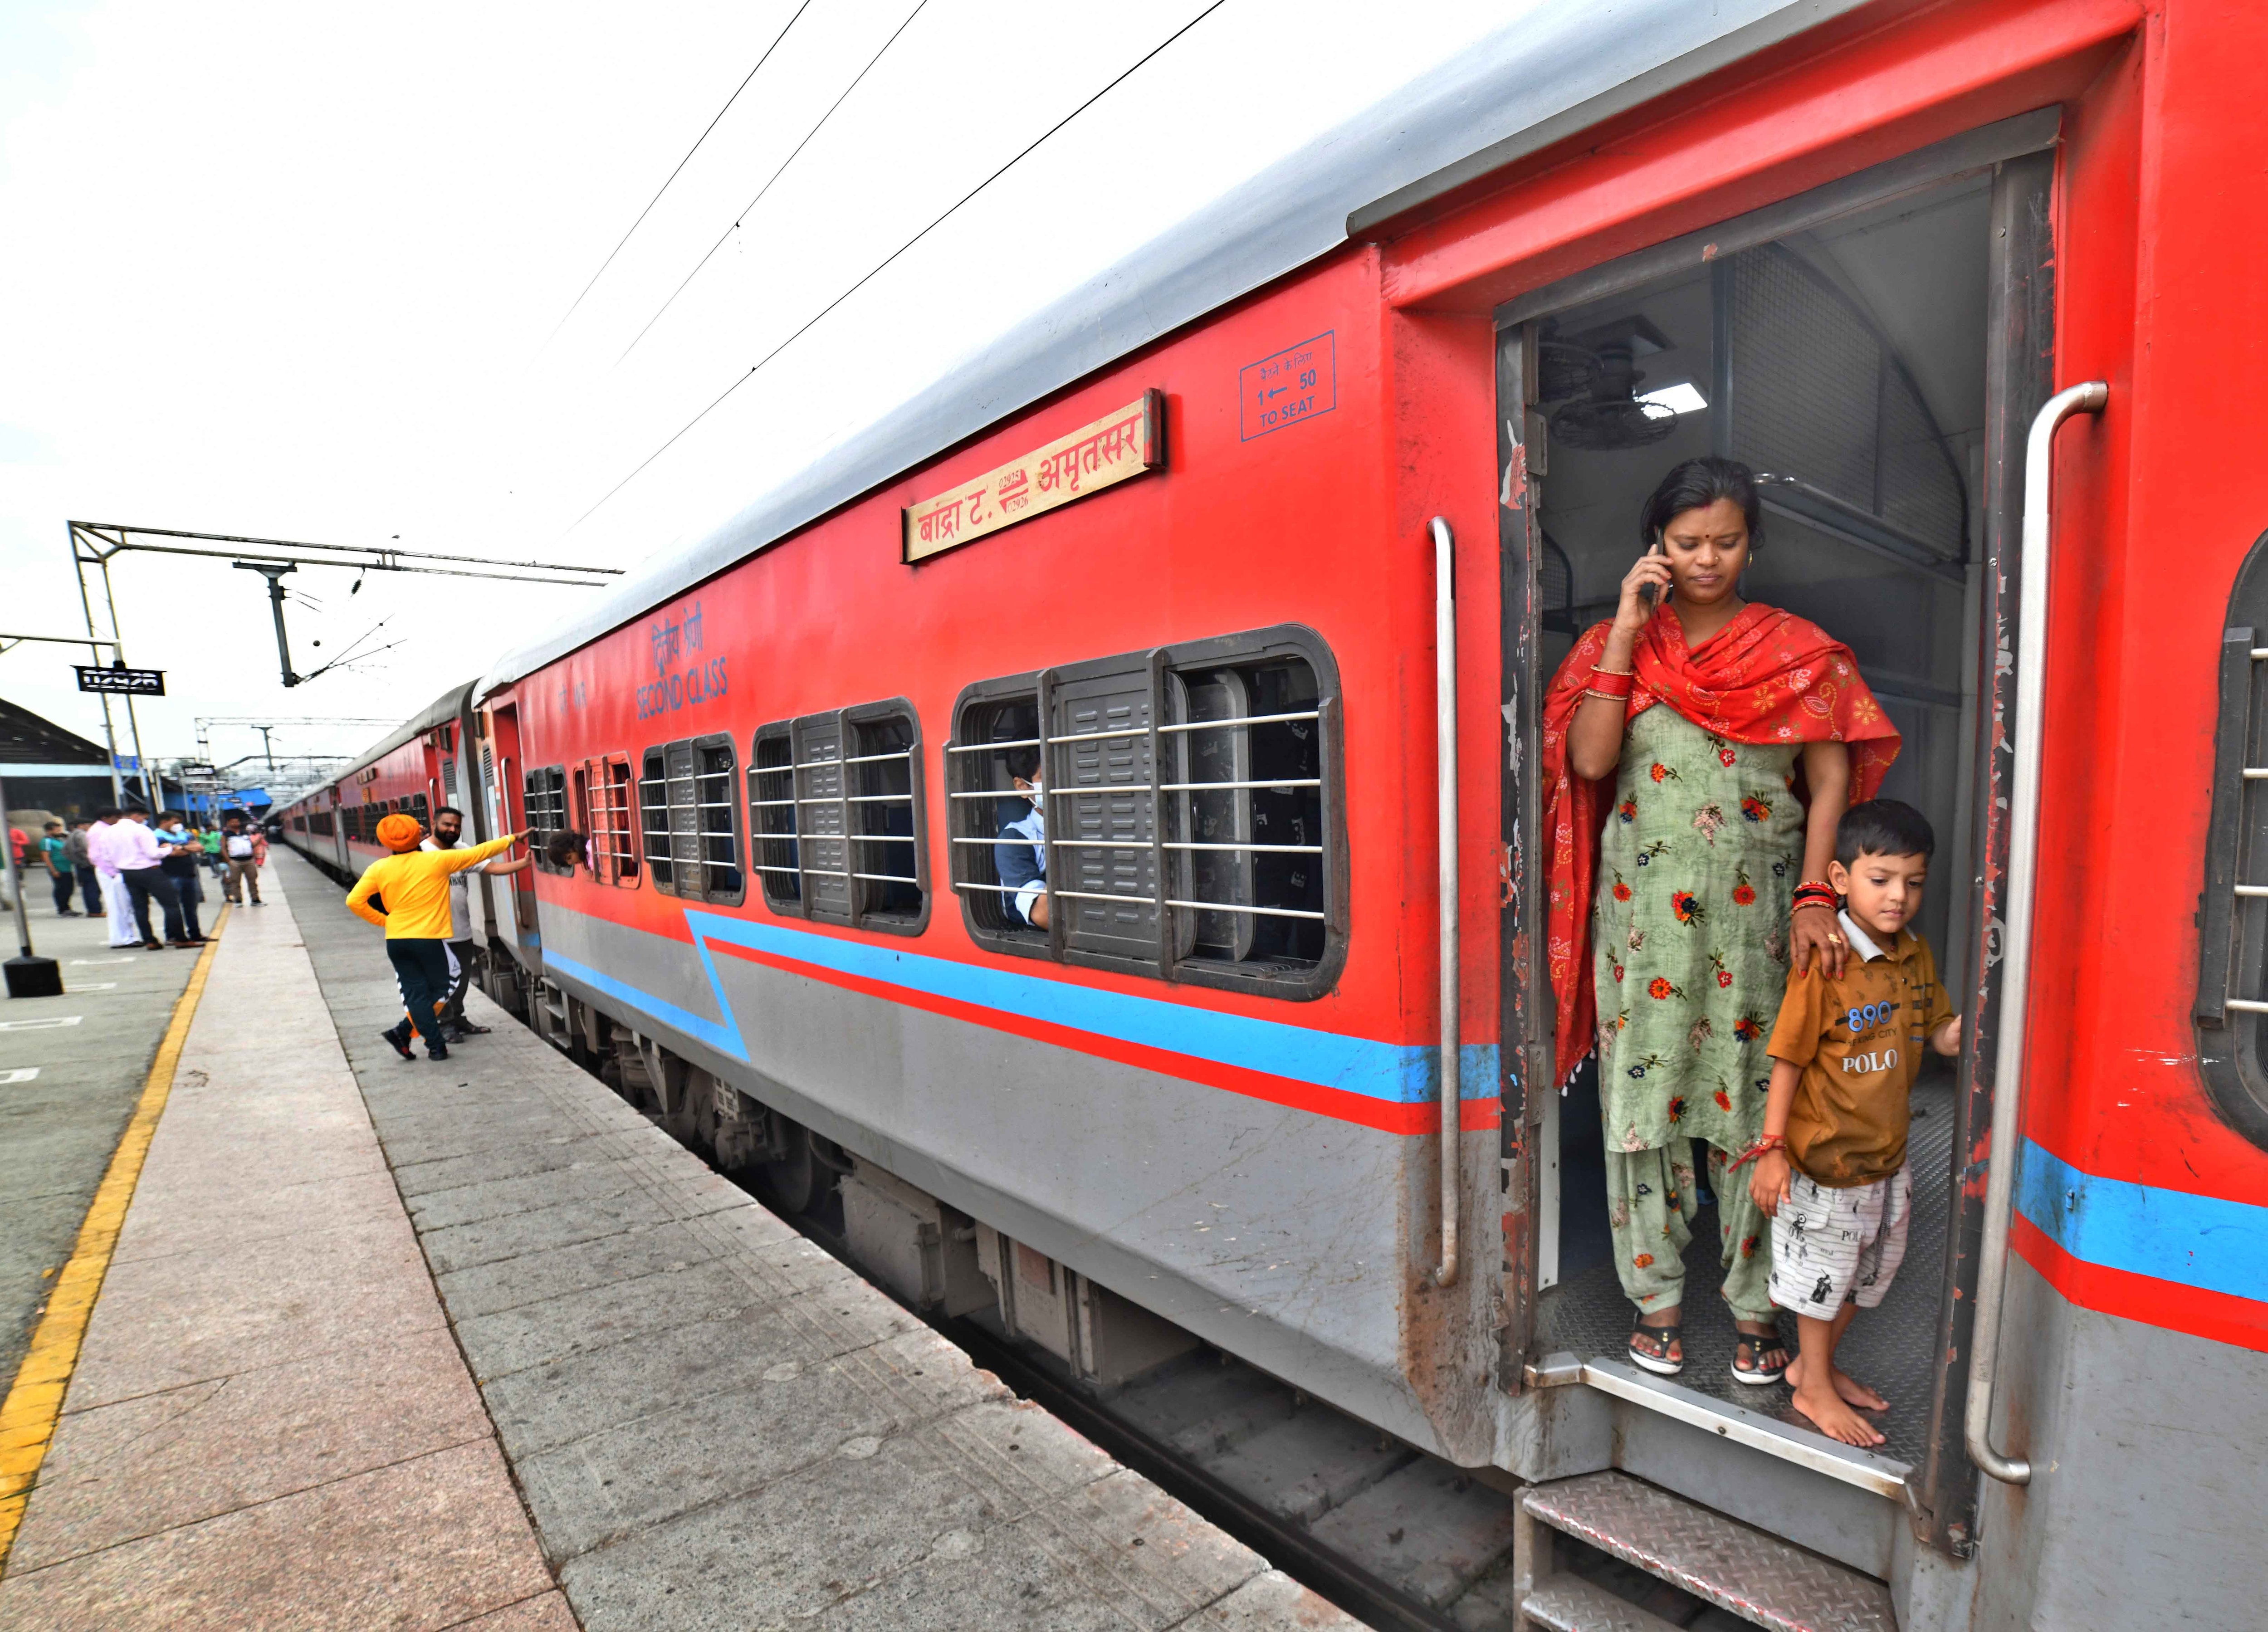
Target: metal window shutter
[
  {"x": 826, "y": 855},
  {"x": 1110, "y": 803},
  {"x": 684, "y": 817}
]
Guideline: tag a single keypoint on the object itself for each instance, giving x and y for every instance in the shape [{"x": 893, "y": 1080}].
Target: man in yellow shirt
[{"x": 413, "y": 883}]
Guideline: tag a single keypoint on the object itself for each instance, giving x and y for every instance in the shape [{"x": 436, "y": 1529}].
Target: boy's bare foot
[
  {"x": 1849, "y": 1387},
  {"x": 1833, "y": 1416}
]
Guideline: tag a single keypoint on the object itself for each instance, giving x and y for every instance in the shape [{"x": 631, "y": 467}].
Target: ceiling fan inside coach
[{"x": 1593, "y": 376}]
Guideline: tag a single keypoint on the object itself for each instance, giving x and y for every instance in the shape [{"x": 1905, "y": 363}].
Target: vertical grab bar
[
  {"x": 1445, "y": 728},
  {"x": 2016, "y": 931}
]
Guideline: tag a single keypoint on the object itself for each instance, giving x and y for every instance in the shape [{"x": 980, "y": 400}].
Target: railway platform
[{"x": 362, "y": 1342}]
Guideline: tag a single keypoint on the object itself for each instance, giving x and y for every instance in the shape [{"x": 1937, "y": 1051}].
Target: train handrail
[
  {"x": 1445, "y": 710},
  {"x": 2016, "y": 930}
]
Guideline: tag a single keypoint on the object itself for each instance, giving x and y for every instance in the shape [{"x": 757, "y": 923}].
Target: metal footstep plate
[
  {"x": 1744, "y": 1571},
  {"x": 1564, "y": 1604}
]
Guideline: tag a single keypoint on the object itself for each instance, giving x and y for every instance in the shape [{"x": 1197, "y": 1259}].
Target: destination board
[{"x": 1123, "y": 444}]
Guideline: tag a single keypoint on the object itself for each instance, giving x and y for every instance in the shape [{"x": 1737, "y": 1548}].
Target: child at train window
[
  {"x": 1021, "y": 857},
  {"x": 1831, "y": 1168}
]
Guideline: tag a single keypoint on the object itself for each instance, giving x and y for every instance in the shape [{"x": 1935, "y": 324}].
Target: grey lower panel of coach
[{"x": 1275, "y": 1233}]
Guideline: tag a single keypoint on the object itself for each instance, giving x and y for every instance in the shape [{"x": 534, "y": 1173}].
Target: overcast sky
[{"x": 301, "y": 271}]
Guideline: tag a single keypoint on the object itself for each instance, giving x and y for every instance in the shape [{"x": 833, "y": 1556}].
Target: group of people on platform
[
  {"x": 1728, "y": 910},
  {"x": 121, "y": 863}
]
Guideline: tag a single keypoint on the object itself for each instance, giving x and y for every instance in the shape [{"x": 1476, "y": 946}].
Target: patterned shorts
[{"x": 1830, "y": 1247}]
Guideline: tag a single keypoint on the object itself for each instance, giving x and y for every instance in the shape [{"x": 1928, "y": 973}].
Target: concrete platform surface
[
  {"x": 70, "y": 1069},
  {"x": 473, "y": 1344},
  {"x": 269, "y": 1424}
]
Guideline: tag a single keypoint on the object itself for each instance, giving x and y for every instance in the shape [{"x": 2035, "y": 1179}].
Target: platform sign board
[
  {"x": 125, "y": 762},
  {"x": 1123, "y": 444},
  {"x": 134, "y": 682}
]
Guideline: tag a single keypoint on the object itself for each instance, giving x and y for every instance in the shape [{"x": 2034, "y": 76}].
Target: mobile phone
[{"x": 1647, "y": 593}]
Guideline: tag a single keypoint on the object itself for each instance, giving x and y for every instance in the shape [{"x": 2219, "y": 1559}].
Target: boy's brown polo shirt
[{"x": 1859, "y": 1037}]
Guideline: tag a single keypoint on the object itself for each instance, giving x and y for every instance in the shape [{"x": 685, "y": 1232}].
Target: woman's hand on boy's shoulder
[{"x": 1946, "y": 1037}]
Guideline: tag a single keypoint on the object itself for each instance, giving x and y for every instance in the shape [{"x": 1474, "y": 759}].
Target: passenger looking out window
[{"x": 1021, "y": 857}]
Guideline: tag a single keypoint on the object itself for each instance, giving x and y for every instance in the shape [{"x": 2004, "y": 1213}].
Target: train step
[{"x": 1745, "y": 1572}]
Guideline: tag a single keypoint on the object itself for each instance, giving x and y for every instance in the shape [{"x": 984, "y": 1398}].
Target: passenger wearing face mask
[{"x": 1021, "y": 857}]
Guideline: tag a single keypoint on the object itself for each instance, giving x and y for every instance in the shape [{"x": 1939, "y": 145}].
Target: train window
[
  {"x": 2232, "y": 1002},
  {"x": 1193, "y": 825},
  {"x": 602, "y": 788},
  {"x": 716, "y": 799},
  {"x": 320, "y": 823},
  {"x": 419, "y": 808},
  {"x": 545, "y": 792},
  {"x": 771, "y": 818},
  {"x": 836, "y": 800},
  {"x": 687, "y": 798},
  {"x": 653, "y": 821}
]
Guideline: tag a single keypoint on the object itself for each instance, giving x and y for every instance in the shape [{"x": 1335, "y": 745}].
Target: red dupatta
[{"x": 1766, "y": 677}]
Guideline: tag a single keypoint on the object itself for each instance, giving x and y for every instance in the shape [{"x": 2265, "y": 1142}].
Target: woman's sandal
[
  {"x": 1753, "y": 1347},
  {"x": 1655, "y": 1359}
]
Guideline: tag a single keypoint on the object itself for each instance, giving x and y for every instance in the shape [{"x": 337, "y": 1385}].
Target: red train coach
[{"x": 1261, "y": 584}]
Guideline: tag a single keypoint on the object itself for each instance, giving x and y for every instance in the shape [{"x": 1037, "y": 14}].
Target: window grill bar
[
  {"x": 988, "y": 747},
  {"x": 870, "y": 759},
  {"x": 1204, "y": 787},
  {"x": 1178, "y": 726},
  {"x": 1143, "y": 844},
  {"x": 2256, "y": 772},
  {"x": 1240, "y": 719},
  {"x": 2252, "y": 889},
  {"x": 2259, "y": 653},
  {"x": 2245, "y": 1005},
  {"x": 1265, "y": 912},
  {"x": 1146, "y": 787},
  {"x": 1152, "y": 901}
]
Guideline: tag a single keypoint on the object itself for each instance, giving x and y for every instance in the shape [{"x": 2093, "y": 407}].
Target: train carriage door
[
  {"x": 511, "y": 800},
  {"x": 1875, "y": 350}
]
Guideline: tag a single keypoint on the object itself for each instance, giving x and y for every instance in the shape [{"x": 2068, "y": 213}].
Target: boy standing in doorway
[{"x": 1832, "y": 1164}]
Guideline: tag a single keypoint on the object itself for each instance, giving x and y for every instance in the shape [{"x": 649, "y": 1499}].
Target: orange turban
[{"x": 398, "y": 832}]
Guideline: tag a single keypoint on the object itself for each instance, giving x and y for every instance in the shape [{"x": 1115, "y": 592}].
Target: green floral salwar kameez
[{"x": 1698, "y": 859}]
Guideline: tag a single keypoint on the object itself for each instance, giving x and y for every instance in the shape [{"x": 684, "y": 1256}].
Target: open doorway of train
[{"x": 1845, "y": 359}]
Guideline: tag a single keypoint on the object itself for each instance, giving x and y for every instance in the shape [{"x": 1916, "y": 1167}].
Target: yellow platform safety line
[{"x": 35, "y": 1400}]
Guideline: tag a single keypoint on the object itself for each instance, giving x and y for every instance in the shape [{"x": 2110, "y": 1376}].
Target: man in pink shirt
[
  {"x": 101, "y": 844},
  {"x": 136, "y": 852}
]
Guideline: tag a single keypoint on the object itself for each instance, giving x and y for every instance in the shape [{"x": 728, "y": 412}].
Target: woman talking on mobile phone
[{"x": 1697, "y": 753}]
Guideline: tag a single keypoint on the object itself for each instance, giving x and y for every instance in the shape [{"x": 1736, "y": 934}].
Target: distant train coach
[{"x": 1107, "y": 834}]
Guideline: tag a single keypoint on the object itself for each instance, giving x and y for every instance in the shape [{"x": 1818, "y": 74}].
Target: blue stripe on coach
[
  {"x": 1399, "y": 1073},
  {"x": 2171, "y": 1235}
]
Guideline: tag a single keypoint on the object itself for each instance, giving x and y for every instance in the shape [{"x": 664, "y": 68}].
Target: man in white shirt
[
  {"x": 118, "y": 906},
  {"x": 448, "y": 833},
  {"x": 136, "y": 851}
]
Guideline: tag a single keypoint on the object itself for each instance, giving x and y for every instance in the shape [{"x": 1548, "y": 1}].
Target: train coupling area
[{"x": 349, "y": 1341}]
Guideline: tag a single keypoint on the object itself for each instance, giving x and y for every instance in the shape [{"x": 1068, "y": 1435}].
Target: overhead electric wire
[
  {"x": 681, "y": 163},
  {"x": 879, "y": 266},
  {"x": 743, "y": 215}
]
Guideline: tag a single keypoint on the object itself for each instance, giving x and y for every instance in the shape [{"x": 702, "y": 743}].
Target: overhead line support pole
[{"x": 86, "y": 605}]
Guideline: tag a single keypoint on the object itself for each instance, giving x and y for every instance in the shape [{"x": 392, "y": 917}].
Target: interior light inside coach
[{"x": 1681, "y": 398}]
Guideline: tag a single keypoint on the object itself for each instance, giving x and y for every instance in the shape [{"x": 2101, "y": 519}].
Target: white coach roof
[{"x": 1565, "y": 65}]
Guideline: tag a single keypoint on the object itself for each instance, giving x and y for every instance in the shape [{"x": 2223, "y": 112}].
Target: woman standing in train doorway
[{"x": 1734, "y": 736}]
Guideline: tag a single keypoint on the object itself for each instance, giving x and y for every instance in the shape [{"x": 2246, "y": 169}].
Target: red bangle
[
  {"x": 1619, "y": 681},
  {"x": 1765, "y": 1142}
]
